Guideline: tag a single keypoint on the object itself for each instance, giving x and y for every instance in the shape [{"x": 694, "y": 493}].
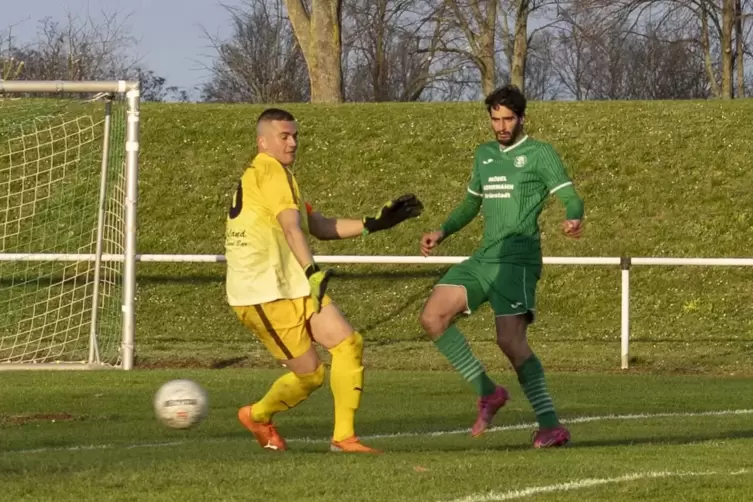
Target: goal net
[{"x": 64, "y": 168}]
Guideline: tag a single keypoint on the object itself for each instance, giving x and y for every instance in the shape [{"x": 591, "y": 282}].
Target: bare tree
[
  {"x": 79, "y": 49},
  {"x": 728, "y": 22},
  {"x": 373, "y": 35},
  {"x": 391, "y": 50},
  {"x": 705, "y": 11},
  {"x": 716, "y": 20},
  {"x": 516, "y": 38},
  {"x": 10, "y": 67},
  {"x": 740, "y": 48},
  {"x": 516, "y": 43},
  {"x": 541, "y": 82},
  {"x": 154, "y": 88},
  {"x": 575, "y": 49},
  {"x": 318, "y": 30},
  {"x": 261, "y": 61},
  {"x": 476, "y": 20}
]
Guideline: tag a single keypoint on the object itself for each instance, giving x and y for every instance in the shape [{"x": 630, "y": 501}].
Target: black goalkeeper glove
[
  {"x": 318, "y": 280},
  {"x": 394, "y": 212}
]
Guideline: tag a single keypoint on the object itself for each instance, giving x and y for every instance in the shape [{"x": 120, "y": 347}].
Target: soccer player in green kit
[{"x": 510, "y": 181}]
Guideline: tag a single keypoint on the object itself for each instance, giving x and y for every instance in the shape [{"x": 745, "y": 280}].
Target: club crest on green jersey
[{"x": 520, "y": 160}]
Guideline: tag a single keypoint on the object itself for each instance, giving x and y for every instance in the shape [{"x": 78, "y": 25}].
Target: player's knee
[
  {"x": 314, "y": 380},
  {"x": 351, "y": 347},
  {"x": 433, "y": 323}
]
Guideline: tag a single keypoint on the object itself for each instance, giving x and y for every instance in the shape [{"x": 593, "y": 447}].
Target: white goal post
[{"x": 68, "y": 193}]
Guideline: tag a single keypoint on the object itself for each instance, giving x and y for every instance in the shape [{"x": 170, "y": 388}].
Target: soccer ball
[{"x": 181, "y": 404}]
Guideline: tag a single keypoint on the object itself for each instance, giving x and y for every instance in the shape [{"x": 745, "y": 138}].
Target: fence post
[{"x": 625, "y": 263}]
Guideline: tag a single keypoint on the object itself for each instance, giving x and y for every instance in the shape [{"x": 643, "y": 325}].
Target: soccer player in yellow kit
[{"x": 278, "y": 291}]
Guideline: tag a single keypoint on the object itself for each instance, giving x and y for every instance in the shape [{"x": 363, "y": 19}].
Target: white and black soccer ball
[{"x": 181, "y": 404}]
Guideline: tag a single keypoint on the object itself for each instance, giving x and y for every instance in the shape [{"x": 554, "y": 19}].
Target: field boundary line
[
  {"x": 450, "y": 432},
  {"x": 532, "y": 425},
  {"x": 584, "y": 483}
]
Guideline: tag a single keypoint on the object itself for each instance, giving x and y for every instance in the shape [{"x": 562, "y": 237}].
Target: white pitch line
[
  {"x": 501, "y": 428},
  {"x": 515, "y": 427},
  {"x": 588, "y": 483}
]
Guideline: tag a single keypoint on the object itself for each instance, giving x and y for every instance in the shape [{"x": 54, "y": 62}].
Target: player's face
[
  {"x": 281, "y": 141},
  {"x": 506, "y": 125}
]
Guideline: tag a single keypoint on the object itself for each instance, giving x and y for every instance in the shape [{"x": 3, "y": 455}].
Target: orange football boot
[
  {"x": 266, "y": 434},
  {"x": 352, "y": 445}
]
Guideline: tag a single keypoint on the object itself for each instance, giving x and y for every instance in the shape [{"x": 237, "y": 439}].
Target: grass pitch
[
  {"x": 655, "y": 183},
  {"x": 635, "y": 437}
]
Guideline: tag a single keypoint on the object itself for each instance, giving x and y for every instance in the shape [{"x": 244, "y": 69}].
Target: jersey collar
[{"x": 517, "y": 144}]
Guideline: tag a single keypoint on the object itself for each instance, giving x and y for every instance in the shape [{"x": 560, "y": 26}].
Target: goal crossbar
[{"x": 61, "y": 86}]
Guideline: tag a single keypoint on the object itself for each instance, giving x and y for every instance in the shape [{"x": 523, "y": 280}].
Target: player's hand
[
  {"x": 394, "y": 212},
  {"x": 572, "y": 228},
  {"x": 430, "y": 241},
  {"x": 318, "y": 280}
]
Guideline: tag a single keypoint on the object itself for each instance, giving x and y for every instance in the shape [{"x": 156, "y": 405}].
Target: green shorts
[{"x": 509, "y": 288}]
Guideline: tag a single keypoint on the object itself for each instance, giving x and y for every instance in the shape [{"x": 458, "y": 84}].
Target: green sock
[
  {"x": 455, "y": 348},
  {"x": 531, "y": 378}
]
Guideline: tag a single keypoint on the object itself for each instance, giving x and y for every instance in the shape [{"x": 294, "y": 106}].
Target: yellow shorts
[{"x": 282, "y": 325}]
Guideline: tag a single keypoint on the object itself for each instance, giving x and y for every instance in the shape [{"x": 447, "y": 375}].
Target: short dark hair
[
  {"x": 271, "y": 114},
  {"x": 509, "y": 96}
]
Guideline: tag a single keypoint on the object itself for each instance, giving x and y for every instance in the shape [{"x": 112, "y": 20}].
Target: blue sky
[{"x": 170, "y": 32}]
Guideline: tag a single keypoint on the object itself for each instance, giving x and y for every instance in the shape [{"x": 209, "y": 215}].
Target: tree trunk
[
  {"x": 482, "y": 44},
  {"x": 320, "y": 37},
  {"x": 705, "y": 43},
  {"x": 728, "y": 21},
  {"x": 520, "y": 46},
  {"x": 380, "y": 76},
  {"x": 739, "y": 50},
  {"x": 488, "y": 64}
]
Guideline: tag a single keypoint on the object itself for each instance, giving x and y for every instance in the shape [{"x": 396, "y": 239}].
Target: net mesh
[{"x": 51, "y": 154}]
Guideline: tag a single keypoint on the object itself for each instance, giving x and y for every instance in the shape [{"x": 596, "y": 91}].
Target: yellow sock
[
  {"x": 287, "y": 391},
  {"x": 346, "y": 381}
]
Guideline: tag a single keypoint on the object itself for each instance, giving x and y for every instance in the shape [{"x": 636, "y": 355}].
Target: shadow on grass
[{"x": 390, "y": 315}]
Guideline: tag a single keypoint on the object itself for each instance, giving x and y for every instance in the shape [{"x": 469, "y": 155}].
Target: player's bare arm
[
  {"x": 391, "y": 214},
  {"x": 290, "y": 221},
  {"x": 325, "y": 229}
]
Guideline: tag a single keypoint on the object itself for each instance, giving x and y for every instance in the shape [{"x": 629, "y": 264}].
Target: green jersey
[{"x": 510, "y": 186}]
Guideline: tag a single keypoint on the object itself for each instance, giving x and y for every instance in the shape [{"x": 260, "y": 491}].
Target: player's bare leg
[
  {"x": 330, "y": 329},
  {"x": 513, "y": 340},
  {"x": 305, "y": 376},
  {"x": 445, "y": 303}
]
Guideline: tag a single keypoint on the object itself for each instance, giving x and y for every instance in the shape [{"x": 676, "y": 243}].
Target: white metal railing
[{"x": 624, "y": 263}]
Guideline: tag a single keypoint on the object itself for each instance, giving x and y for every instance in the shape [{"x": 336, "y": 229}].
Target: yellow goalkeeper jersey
[{"x": 260, "y": 265}]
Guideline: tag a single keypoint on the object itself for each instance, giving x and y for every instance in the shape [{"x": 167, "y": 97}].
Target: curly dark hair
[{"x": 508, "y": 96}]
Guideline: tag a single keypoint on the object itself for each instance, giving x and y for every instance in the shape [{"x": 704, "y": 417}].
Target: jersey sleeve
[
  {"x": 474, "y": 185},
  {"x": 552, "y": 170},
  {"x": 278, "y": 188}
]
